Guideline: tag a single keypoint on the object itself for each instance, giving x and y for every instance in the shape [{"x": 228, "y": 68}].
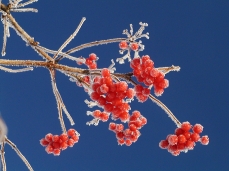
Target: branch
[{"x": 19, "y": 153}]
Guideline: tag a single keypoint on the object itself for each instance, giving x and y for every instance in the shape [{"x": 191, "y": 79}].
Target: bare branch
[
  {"x": 19, "y": 153},
  {"x": 26, "y": 3},
  {"x": 16, "y": 70},
  {"x": 24, "y": 10},
  {"x": 60, "y": 103},
  {"x": 3, "y": 161},
  {"x": 70, "y": 38}
]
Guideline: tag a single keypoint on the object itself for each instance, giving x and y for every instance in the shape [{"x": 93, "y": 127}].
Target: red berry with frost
[
  {"x": 163, "y": 144},
  {"x": 70, "y": 142},
  {"x": 186, "y": 126},
  {"x": 179, "y": 131},
  {"x": 173, "y": 139},
  {"x": 197, "y": 128},
  {"x": 189, "y": 144},
  {"x": 55, "y": 138},
  {"x": 128, "y": 142},
  {"x": 44, "y": 142},
  {"x": 121, "y": 141},
  {"x": 181, "y": 139},
  {"x": 92, "y": 56},
  {"x": 48, "y": 137},
  {"x": 112, "y": 126},
  {"x": 105, "y": 72},
  {"x": 56, "y": 152},
  {"x": 204, "y": 140},
  {"x": 195, "y": 137},
  {"x": 71, "y": 132}
]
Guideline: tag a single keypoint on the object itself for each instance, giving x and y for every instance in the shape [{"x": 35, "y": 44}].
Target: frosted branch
[
  {"x": 2, "y": 153},
  {"x": 26, "y": 3},
  {"x": 19, "y": 153},
  {"x": 16, "y": 70},
  {"x": 24, "y": 10},
  {"x": 61, "y": 53},
  {"x": 70, "y": 38}
]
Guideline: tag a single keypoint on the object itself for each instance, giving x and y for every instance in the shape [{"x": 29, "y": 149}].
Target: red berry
[
  {"x": 75, "y": 138},
  {"x": 119, "y": 127},
  {"x": 123, "y": 45},
  {"x": 56, "y": 152},
  {"x": 163, "y": 144},
  {"x": 105, "y": 72},
  {"x": 179, "y": 131},
  {"x": 71, "y": 132},
  {"x": 96, "y": 113},
  {"x": 197, "y": 128},
  {"x": 186, "y": 126},
  {"x": 48, "y": 137},
  {"x": 43, "y": 142},
  {"x": 92, "y": 56},
  {"x": 55, "y": 138},
  {"x": 121, "y": 141},
  {"x": 134, "y": 46},
  {"x": 128, "y": 142},
  {"x": 195, "y": 137},
  {"x": 204, "y": 140},
  {"x": 189, "y": 145},
  {"x": 112, "y": 126},
  {"x": 133, "y": 127},
  {"x": 70, "y": 142},
  {"x": 181, "y": 139},
  {"x": 173, "y": 139}
]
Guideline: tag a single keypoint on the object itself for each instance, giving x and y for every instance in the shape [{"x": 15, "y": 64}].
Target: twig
[
  {"x": 70, "y": 38},
  {"x": 3, "y": 161},
  {"x": 19, "y": 153},
  {"x": 16, "y": 70}
]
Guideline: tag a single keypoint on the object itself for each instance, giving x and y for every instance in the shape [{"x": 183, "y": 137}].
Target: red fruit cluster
[
  {"x": 184, "y": 140},
  {"x": 131, "y": 134},
  {"x": 144, "y": 71},
  {"x": 55, "y": 143},
  {"x": 110, "y": 95},
  {"x": 90, "y": 61},
  {"x": 124, "y": 45},
  {"x": 142, "y": 93},
  {"x": 103, "y": 116}
]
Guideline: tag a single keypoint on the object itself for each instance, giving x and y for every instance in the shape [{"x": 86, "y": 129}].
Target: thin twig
[
  {"x": 16, "y": 70},
  {"x": 3, "y": 161},
  {"x": 70, "y": 38},
  {"x": 53, "y": 81},
  {"x": 19, "y": 153}
]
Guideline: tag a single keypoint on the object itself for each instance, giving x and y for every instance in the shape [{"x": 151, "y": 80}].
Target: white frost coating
[
  {"x": 16, "y": 70},
  {"x": 26, "y": 3},
  {"x": 90, "y": 104},
  {"x": 93, "y": 122},
  {"x": 25, "y": 10},
  {"x": 62, "y": 54}
]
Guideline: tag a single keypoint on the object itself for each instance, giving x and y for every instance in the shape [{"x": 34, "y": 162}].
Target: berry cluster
[
  {"x": 144, "y": 71},
  {"x": 132, "y": 46},
  {"x": 131, "y": 134},
  {"x": 110, "y": 95},
  {"x": 55, "y": 143},
  {"x": 184, "y": 140},
  {"x": 90, "y": 61}
]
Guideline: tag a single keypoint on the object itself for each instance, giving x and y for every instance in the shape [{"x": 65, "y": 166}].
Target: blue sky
[{"x": 191, "y": 34}]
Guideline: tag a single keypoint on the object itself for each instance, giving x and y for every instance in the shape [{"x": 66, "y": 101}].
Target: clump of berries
[
  {"x": 144, "y": 71},
  {"x": 111, "y": 95},
  {"x": 55, "y": 143},
  {"x": 90, "y": 61},
  {"x": 184, "y": 140},
  {"x": 124, "y": 45},
  {"x": 131, "y": 134}
]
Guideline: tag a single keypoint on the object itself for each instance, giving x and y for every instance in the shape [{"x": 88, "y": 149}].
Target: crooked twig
[
  {"x": 70, "y": 38},
  {"x": 19, "y": 153}
]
